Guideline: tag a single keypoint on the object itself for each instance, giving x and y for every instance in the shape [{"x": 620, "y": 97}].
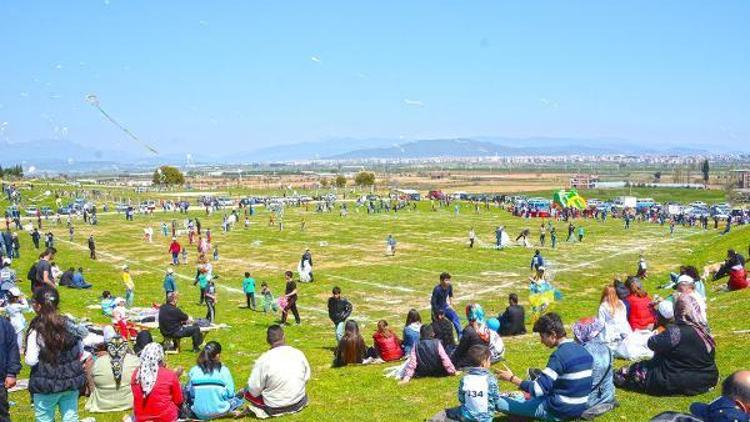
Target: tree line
[{"x": 14, "y": 171}]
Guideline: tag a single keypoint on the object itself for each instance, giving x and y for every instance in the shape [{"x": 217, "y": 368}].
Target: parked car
[
  {"x": 225, "y": 202},
  {"x": 437, "y": 195},
  {"x": 31, "y": 210}
]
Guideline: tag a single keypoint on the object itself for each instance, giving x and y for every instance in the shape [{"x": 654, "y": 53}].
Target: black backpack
[{"x": 31, "y": 275}]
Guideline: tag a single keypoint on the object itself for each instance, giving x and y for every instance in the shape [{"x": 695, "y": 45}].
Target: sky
[{"x": 240, "y": 75}]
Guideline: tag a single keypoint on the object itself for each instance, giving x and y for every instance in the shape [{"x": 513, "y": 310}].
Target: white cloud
[
  {"x": 316, "y": 59},
  {"x": 415, "y": 103}
]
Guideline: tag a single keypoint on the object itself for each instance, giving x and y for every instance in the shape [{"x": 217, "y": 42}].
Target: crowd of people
[{"x": 668, "y": 340}]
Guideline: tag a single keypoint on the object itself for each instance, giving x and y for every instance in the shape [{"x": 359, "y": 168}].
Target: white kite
[{"x": 94, "y": 101}]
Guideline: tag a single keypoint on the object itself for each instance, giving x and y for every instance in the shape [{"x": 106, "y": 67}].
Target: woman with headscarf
[
  {"x": 476, "y": 332},
  {"x": 117, "y": 362},
  {"x": 684, "y": 357},
  {"x": 588, "y": 332},
  {"x": 53, "y": 351},
  {"x": 157, "y": 395}
]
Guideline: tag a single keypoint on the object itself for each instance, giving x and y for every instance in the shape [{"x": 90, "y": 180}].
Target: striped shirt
[{"x": 566, "y": 381}]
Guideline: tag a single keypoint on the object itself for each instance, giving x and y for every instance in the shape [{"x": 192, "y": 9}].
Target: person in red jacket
[
  {"x": 387, "y": 343},
  {"x": 735, "y": 267},
  {"x": 174, "y": 249},
  {"x": 157, "y": 395},
  {"x": 640, "y": 310}
]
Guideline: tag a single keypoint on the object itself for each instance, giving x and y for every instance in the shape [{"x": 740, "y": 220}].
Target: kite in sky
[{"x": 94, "y": 101}]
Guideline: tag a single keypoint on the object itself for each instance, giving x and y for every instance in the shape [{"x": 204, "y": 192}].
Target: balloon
[{"x": 493, "y": 324}]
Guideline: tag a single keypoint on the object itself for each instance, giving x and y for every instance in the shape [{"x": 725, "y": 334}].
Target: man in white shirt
[{"x": 277, "y": 382}]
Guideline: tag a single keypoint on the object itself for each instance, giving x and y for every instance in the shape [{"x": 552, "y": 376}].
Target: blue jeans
[
  {"x": 46, "y": 404},
  {"x": 453, "y": 317},
  {"x": 533, "y": 408},
  {"x": 129, "y": 294},
  {"x": 340, "y": 330}
]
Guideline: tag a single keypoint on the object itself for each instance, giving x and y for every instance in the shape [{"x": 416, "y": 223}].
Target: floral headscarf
[
  {"x": 151, "y": 358},
  {"x": 587, "y": 329},
  {"x": 687, "y": 311}
]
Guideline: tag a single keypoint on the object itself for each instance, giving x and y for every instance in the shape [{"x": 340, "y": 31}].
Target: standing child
[
  {"x": 269, "y": 303},
  {"x": 120, "y": 319},
  {"x": 202, "y": 281},
  {"x": 478, "y": 391},
  {"x": 129, "y": 286},
  {"x": 553, "y": 237},
  {"x": 216, "y": 252},
  {"x": 580, "y": 234},
  {"x": 15, "y": 309},
  {"x": 642, "y": 268},
  {"x": 184, "y": 256},
  {"x": 211, "y": 301},
  {"x": 248, "y": 286}
]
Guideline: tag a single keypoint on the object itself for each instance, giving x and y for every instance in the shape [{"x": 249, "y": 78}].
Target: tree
[
  {"x": 364, "y": 178},
  {"x": 168, "y": 175},
  {"x": 340, "y": 181},
  {"x": 705, "y": 169},
  {"x": 677, "y": 175},
  {"x": 657, "y": 176},
  {"x": 324, "y": 183}
]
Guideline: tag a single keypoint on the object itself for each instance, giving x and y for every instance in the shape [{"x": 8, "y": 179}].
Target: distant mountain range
[
  {"x": 66, "y": 155},
  {"x": 487, "y": 147}
]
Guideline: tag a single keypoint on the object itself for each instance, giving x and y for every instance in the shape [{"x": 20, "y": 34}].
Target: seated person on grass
[
  {"x": 734, "y": 403},
  {"x": 427, "y": 358},
  {"x": 512, "y": 320},
  {"x": 478, "y": 391},
  {"x": 443, "y": 328},
  {"x": 386, "y": 343},
  {"x": 684, "y": 357},
  {"x": 561, "y": 390},
  {"x": 351, "y": 349},
  {"x": 210, "y": 391},
  {"x": 277, "y": 382},
  {"x": 174, "y": 323}
]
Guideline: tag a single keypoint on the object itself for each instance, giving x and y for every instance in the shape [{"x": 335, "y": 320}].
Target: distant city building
[
  {"x": 583, "y": 181},
  {"x": 743, "y": 178}
]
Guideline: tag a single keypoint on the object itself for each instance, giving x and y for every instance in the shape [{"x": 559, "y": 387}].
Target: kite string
[{"x": 124, "y": 129}]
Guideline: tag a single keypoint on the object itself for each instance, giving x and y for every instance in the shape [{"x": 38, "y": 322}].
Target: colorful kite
[{"x": 569, "y": 199}]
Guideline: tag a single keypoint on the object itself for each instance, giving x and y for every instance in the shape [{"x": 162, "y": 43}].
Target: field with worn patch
[{"x": 349, "y": 252}]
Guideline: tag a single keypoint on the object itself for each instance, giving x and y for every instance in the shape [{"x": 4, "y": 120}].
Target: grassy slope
[{"x": 429, "y": 242}]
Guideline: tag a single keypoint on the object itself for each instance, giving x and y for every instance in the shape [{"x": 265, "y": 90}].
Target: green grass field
[{"x": 349, "y": 252}]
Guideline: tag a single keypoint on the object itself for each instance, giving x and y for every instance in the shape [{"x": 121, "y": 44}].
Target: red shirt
[
  {"x": 174, "y": 247},
  {"x": 640, "y": 315},
  {"x": 388, "y": 347},
  {"x": 162, "y": 405}
]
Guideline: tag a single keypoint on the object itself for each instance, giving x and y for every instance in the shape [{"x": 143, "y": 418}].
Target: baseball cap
[
  {"x": 15, "y": 291},
  {"x": 170, "y": 270}
]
